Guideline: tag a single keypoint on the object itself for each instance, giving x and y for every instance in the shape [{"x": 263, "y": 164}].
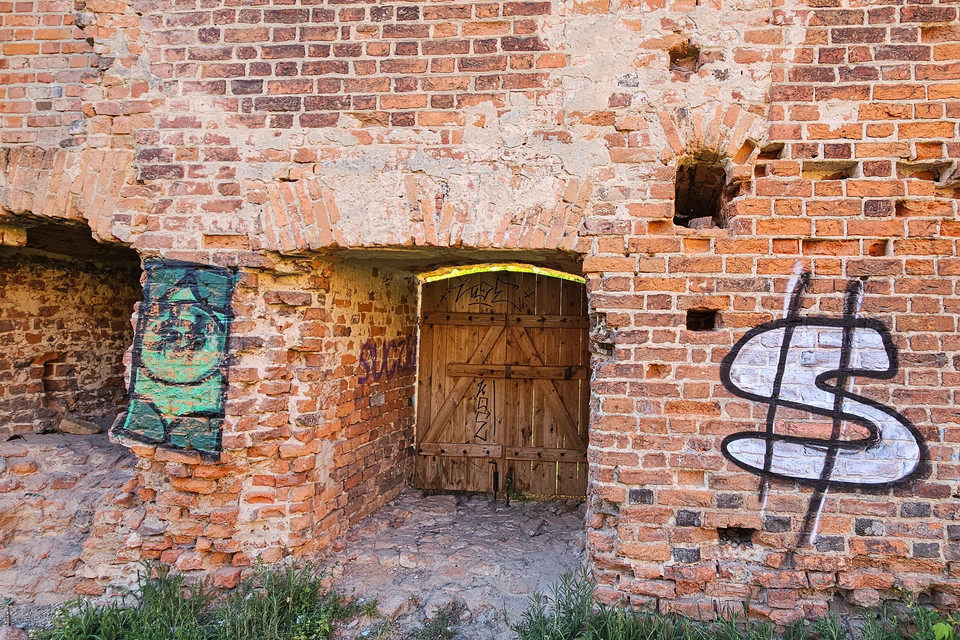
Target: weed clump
[
  {"x": 286, "y": 603},
  {"x": 575, "y": 615}
]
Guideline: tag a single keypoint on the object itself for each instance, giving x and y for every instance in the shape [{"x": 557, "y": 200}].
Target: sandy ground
[{"x": 420, "y": 553}]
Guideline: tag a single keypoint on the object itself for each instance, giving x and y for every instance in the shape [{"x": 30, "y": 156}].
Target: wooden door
[{"x": 504, "y": 384}]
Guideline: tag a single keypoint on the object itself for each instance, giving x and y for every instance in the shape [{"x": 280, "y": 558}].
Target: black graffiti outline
[
  {"x": 479, "y": 294},
  {"x": 482, "y": 414},
  {"x": 849, "y": 323}
]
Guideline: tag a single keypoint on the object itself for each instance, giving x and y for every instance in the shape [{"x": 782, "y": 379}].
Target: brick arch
[
  {"x": 308, "y": 214},
  {"x": 59, "y": 183},
  {"x": 729, "y": 133},
  {"x": 730, "y": 130}
]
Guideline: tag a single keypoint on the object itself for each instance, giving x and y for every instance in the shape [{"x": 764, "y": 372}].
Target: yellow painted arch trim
[{"x": 445, "y": 273}]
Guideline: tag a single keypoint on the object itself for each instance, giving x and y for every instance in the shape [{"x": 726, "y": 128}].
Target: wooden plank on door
[
  {"x": 546, "y": 428},
  {"x": 571, "y": 476},
  {"x": 520, "y": 391},
  {"x": 542, "y": 454},
  {"x": 467, "y": 318},
  {"x": 461, "y": 450},
  {"x": 506, "y": 371}
]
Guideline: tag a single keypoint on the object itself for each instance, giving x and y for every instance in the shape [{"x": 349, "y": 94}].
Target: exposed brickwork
[
  {"x": 252, "y": 136},
  {"x": 44, "y": 65},
  {"x": 64, "y": 329},
  {"x": 325, "y": 64},
  {"x": 309, "y": 448},
  {"x": 75, "y": 186}
]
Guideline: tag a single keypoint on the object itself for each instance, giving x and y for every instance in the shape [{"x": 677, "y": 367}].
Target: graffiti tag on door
[
  {"x": 482, "y": 414},
  {"x": 485, "y": 295}
]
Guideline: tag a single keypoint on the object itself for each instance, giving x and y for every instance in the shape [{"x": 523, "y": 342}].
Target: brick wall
[
  {"x": 64, "y": 326},
  {"x": 851, "y": 183},
  {"x": 45, "y": 63},
  {"x": 265, "y": 137},
  {"x": 318, "y": 426}
]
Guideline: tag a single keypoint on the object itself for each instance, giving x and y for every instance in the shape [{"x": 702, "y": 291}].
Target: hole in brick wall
[
  {"x": 684, "y": 58},
  {"x": 932, "y": 171},
  {"x": 702, "y": 319},
  {"x": 736, "y": 536},
  {"x": 56, "y": 382},
  {"x": 701, "y": 192},
  {"x": 67, "y": 301},
  {"x": 602, "y": 336},
  {"x": 657, "y": 371},
  {"x": 772, "y": 151},
  {"x": 879, "y": 248},
  {"x": 745, "y": 152},
  {"x": 829, "y": 169}
]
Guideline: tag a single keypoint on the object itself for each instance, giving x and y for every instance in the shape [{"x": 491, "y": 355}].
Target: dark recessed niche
[
  {"x": 736, "y": 536},
  {"x": 684, "y": 57},
  {"x": 702, "y": 319},
  {"x": 772, "y": 151},
  {"x": 829, "y": 169},
  {"x": 879, "y": 248},
  {"x": 923, "y": 170},
  {"x": 701, "y": 192}
]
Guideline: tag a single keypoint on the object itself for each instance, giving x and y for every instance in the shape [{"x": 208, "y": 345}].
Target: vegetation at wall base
[
  {"x": 573, "y": 614},
  {"x": 286, "y": 603}
]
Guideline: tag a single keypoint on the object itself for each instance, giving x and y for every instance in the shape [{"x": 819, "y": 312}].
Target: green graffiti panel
[{"x": 179, "y": 381}]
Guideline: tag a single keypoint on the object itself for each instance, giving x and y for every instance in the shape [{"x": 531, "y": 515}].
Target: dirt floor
[
  {"x": 419, "y": 553},
  {"x": 415, "y": 555},
  {"x": 55, "y": 489}
]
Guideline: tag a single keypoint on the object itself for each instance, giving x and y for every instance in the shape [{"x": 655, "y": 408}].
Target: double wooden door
[{"x": 504, "y": 385}]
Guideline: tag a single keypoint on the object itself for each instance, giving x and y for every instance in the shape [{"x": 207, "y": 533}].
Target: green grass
[
  {"x": 285, "y": 603},
  {"x": 573, "y": 614}
]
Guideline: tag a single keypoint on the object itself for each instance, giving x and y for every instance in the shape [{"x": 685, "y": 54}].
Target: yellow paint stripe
[{"x": 455, "y": 272}]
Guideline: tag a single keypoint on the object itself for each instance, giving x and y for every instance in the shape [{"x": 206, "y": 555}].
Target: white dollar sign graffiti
[{"x": 804, "y": 363}]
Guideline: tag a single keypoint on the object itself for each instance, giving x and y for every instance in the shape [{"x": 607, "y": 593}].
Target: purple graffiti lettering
[{"x": 386, "y": 359}]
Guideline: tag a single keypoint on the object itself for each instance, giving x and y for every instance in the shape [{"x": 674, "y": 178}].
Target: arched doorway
[{"x": 503, "y": 388}]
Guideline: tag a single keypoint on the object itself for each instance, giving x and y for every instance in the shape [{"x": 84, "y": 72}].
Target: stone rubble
[
  {"x": 419, "y": 553},
  {"x": 52, "y": 488}
]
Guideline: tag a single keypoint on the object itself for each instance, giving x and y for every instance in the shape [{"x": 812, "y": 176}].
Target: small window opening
[
  {"x": 829, "y": 169},
  {"x": 684, "y": 58},
  {"x": 772, "y": 151},
  {"x": 701, "y": 192},
  {"x": 930, "y": 170},
  {"x": 736, "y": 536},
  {"x": 701, "y": 319}
]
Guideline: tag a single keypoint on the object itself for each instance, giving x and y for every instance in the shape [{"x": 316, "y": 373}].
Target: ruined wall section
[
  {"x": 318, "y": 421},
  {"x": 45, "y": 63},
  {"x": 296, "y": 127},
  {"x": 57, "y": 492},
  {"x": 64, "y": 326},
  {"x": 74, "y": 89},
  {"x": 853, "y": 183}
]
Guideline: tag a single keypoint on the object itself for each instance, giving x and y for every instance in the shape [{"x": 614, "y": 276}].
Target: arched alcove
[{"x": 701, "y": 185}]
